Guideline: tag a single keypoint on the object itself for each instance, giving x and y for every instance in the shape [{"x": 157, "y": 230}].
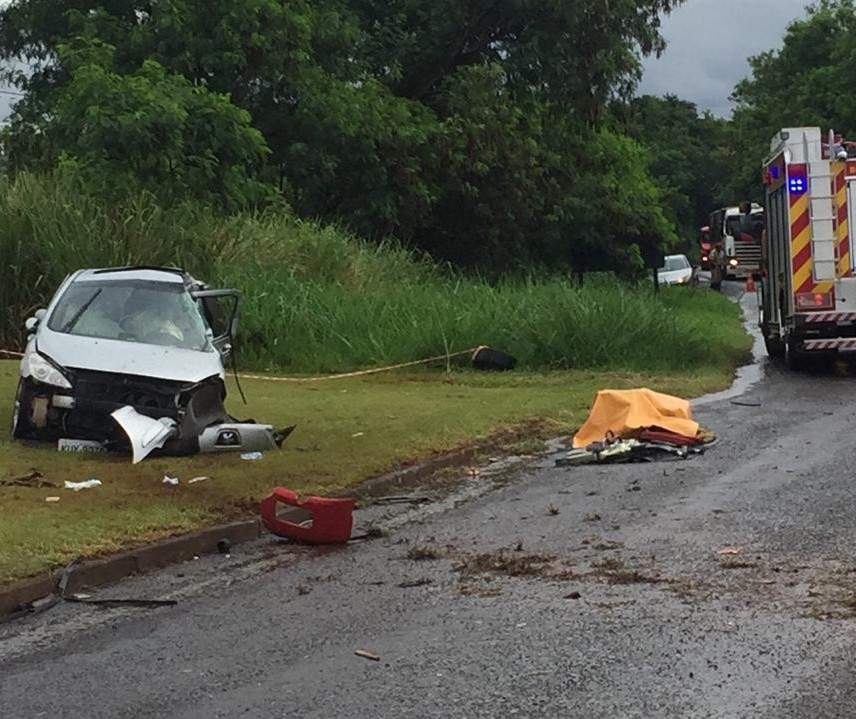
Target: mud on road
[{"x": 723, "y": 586}]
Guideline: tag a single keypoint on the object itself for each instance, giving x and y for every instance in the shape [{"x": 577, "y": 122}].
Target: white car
[
  {"x": 133, "y": 358},
  {"x": 677, "y": 270}
]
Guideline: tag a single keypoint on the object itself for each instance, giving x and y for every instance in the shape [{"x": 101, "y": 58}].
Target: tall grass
[{"x": 319, "y": 300}]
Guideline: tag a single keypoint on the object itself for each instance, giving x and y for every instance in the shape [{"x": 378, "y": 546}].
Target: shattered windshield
[{"x": 157, "y": 313}]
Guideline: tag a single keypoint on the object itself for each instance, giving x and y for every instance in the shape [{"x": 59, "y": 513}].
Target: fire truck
[
  {"x": 808, "y": 288},
  {"x": 704, "y": 247},
  {"x": 742, "y": 251}
]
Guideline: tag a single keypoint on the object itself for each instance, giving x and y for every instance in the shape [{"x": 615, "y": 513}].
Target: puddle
[{"x": 751, "y": 374}]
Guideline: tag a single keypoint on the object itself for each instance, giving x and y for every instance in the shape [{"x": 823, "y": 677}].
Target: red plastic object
[
  {"x": 332, "y": 519},
  {"x": 661, "y": 435}
]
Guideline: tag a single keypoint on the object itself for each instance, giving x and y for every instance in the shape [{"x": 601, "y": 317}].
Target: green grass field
[{"x": 400, "y": 418}]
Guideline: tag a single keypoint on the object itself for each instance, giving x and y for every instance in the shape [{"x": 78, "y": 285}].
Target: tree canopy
[{"x": 481, "y": 131}]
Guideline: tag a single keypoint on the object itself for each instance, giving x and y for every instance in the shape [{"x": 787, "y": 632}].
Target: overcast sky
[{"x": 710, "y": 42}]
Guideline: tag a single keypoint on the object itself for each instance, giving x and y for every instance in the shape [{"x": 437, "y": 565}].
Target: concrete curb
[{"x": 112, "y": 569}]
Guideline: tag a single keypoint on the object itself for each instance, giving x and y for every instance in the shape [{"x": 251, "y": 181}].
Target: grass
[
  {"x": 320, "y": 300},
  {"x": 402, "y": 418}
]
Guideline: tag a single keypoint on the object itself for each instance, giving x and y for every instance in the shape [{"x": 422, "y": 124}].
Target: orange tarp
[{"x": 624, "y": 412}]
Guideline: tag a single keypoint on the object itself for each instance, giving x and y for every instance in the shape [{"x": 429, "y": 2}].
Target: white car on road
[{"x": 677, "y": 270}]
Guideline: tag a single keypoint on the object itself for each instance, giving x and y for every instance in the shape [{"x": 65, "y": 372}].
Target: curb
[{"x": 21, "y": 597}]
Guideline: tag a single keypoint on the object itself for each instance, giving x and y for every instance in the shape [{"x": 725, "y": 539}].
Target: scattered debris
[
  {"x": 332, "y": 519},
  {"x": 401, "y": 500},
  {"x": 358, "y": 434},
  {"x": 551, "y": 510},
  {"x": 370, "y": 533},
  {"x": 424, "y": 553},
  {"x": 367, "y": 655},
  {"x": 252, "y": 456},
  {"x": 489, "y": 359},
  {"x": 172, "y": 481},
  {"x": 303, "y": 589},
  {"x": 412, "y": 583},
  {"x": 573, "y": 595},
  {"x": 742, "y": 403},
  {"x": 145, "y": 603},
  {"x": 592, "y": 517},
  {"x": 198, "y": 479},
  {"x": 34, "y": 479},
  {"x": 514, "y": 565},
  {"x": 52, "y": 500},
  {"x": 473, "y": 471},
  {"x": 224, "y": 546},
  {"x": 730, "y": 551},
  {"x": 519, "y": 547},
  {"x": 88, "y": 484}
]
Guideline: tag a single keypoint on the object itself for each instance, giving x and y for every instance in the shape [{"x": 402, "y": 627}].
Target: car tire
[{"x": 21, "y": 428}]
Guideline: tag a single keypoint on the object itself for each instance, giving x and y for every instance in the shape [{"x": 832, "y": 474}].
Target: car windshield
[
  {"x": 160, "y": 313},
  {"x": 675, "y": 263}
]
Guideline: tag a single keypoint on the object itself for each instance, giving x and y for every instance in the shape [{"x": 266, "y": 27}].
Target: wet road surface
[{"x": 595, "y": 592}]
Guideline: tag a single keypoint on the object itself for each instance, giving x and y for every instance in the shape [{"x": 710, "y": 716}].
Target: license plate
[{"x": 84, "y": 446}]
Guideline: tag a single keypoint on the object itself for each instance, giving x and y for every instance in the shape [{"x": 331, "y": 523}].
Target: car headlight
[
  {"x": 38, "y": 368},
  {"x": 733, "y": 263}
]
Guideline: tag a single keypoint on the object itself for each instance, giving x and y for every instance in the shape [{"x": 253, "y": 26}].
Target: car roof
[
  {"x": 674, "y": 257},
  {"x": 168, "y": 275}
]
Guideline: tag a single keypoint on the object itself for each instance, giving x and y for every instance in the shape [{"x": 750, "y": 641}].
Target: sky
[{"x": 710, "y": 42}]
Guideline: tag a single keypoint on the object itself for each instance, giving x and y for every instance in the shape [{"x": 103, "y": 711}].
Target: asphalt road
[{"x": 590, "y": 592}]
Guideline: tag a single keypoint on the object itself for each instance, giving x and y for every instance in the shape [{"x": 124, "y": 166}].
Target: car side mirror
[{"x": 33, "y": 322}]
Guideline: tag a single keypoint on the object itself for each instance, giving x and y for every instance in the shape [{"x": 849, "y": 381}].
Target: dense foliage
[{"x": 477, "y": 130}]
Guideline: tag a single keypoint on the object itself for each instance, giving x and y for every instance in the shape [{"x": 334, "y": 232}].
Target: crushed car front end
[{"x": 123, "y": 355}]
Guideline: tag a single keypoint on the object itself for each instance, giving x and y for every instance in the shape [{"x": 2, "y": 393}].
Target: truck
[
  {"x": 704, "y": 247},
  {"x": 742, "y": 250},
  {"x": 808, "y": 287}
]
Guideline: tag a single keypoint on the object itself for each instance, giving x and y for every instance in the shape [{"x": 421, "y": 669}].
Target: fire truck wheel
[
  {"x": 775, "y": 348},
  {"x": 795, "y": 358}
]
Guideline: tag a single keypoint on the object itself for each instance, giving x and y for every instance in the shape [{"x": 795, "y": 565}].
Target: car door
[{"x": 221, "y": 310}]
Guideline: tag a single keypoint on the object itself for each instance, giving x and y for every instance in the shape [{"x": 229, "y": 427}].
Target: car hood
[
  {"x": 674, "y": 275},
  {"x": 133, "y": 358}
]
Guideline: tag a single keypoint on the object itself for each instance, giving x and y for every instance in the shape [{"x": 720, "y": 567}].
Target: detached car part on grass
[{"x": 134, "y": 357}]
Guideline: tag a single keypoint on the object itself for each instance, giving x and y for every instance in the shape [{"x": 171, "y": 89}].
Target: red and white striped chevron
[
  {"x": 835, "y": 344},
  {"x": 816, "y": 317}
]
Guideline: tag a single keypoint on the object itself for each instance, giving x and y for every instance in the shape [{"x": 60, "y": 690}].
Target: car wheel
[{"x": 21, "y": 428}]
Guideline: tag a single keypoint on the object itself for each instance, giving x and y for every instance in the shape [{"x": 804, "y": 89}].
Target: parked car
[
  {"x": 677, "y": 270},
  {"x": 134, "y": 356}
]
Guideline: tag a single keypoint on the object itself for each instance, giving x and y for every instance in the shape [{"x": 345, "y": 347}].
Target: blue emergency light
[{"x": 797, "y": 184}]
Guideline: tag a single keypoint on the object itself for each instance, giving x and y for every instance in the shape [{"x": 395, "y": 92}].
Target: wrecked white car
[{"x": 134, "y": 358}]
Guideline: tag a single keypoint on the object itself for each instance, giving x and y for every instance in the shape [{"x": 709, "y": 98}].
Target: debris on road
[
  {"x": 88, "y": 484},
  {"x": 34, "y": 479},
  {"x": 224, "y": 546},
  {"x": 172, "y": 481},
  {"x": 637, "y": 426},
  {"x": 741, "y": 403},
  {"x": 412, "y": 583},
  {"x": 730, "y": 551},
  {"x": 332, "y": 520},
  {"x": 367, "y": 655},
  {"x": 196, "y": 480},
  {"x": 144, "y": 603},
  {"x": 252, "y": 456}
]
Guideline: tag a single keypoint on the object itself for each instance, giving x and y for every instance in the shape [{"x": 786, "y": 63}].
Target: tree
[
  {"x": 153, "y": 130},
  {"x": 458, "y": 126},
  {"x": 802, "y": 84},
  {"x": 688, "y": 157}
]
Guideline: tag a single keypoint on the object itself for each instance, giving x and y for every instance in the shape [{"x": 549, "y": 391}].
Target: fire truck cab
[
  {"x": 808, "y": 287},
  {"x": 743, "y": 254}
]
